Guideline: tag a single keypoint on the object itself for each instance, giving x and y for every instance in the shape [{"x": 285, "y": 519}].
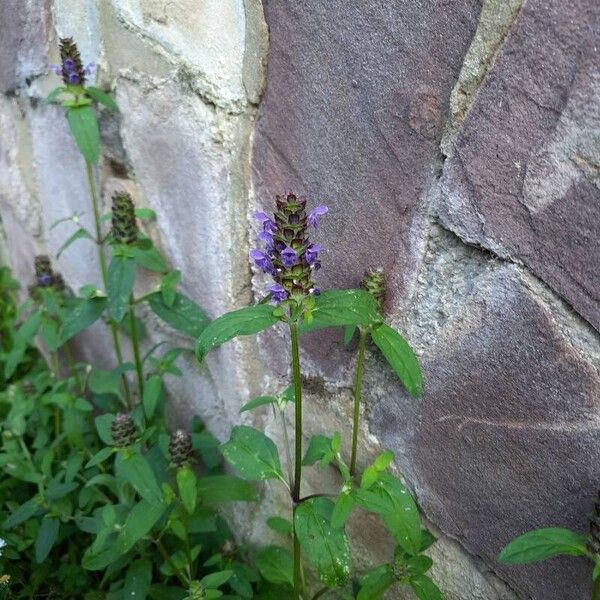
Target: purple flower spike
[
  {"x": 315, "y": 214},
  {"x": 278, "y": 293},
  {"x": 266, "y": 222},
  {"x": 74, "y": 79},
  {"x": 312, "y": 253},
  {"x": 69, "y": 64},
  {"x": 289, "y": 257},
  {"x": 262, "y": 260}
]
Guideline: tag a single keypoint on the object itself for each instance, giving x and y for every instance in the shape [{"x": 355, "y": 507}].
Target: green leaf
[
  {"x": 375, "y": 583},
  {"x": 341, "y": 308},
  {"x": 260, "y": 401},
  {"x": 186, "y": 483},
  {"x": 145, "y": 213},
  {"x": 54, "y": 94},
  {"x": 245, "y": 321},
  {"x": 319, "y": 449},
  {"x": 148, "y": 257},
  {"x": 400, "y": 356},
  {"x": 29, "y": 328},
  {"x": 215, "y": 580},
  {"x": 280, "y": 525},
  {"x": 46, "y": 537},
  {"x": 348, "y": 334},
  {"x": 134, "y": 468},
  {"x": 276, "y": 565},
  {"x": 541, "y": 544},
  {"x": 140, "y": 520},
  {"x": 83, "y": 313},
  {"x": 167, "y": 287},
  {"x": 389, "y": 498},
  {"x": 218, "y": 489},
  {"x": 425, "y": 589},
  {"x": 138, "y": 580},
  {"x": 343, "y": 507},
  {"x": 108, "y": 382},
  {"x": 102, "y": 97},
  {"x": 49, "y": 333},
  {"x": 152, "y": 392},
  {"x": 372, "y": 472},
  {"x": 24, "y": 512},
  {"x": 325, "y": 546},
  {"x": 80, "y": 234},
  {"x": 103, "y": 424},
  {"x": 121, "y": 277},
  {"x": 253, "y": 454},
  {"x": 184, "y": 315},
  {"x": 99, "y": 457},
  {"x": 57, "y": 490},
  {"x": 84, "y": 127}
]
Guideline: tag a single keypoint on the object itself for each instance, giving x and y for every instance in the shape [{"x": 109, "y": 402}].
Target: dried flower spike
[
  {"x": 593, "y": 542},
  {"x": 289, "y": 256},
  {"x": 71, "y": 69},
  {"x": 124, "y": 224},
  {"x": 43, "y": 271},
  {"x": 374, "y": 283},
  {"x": 123, "y": 430},
  {"x": 180, "y": 448}
]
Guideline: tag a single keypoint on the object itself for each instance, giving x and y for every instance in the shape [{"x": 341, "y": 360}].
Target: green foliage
[
  {"x": 541, "y": 544},
  {"x": 84, "y": 127},
  {"x": 326, "y": 547},
  {"x": 400, "y": 356},
  {"x": 246, "y": 321}
]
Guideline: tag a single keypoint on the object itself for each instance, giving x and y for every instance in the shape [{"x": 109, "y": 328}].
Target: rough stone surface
[
  {"x": 520, "y": 433},
  {"x": 23, "y": 41},
  {"x": 353, "y": 111},
  {"x": 523, "y": 178}
]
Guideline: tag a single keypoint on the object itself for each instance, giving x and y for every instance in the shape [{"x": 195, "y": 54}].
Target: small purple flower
[
  {"x": 69, "y": 65},
  {"x": 289, "y": 257},
  {"x": 89, "y": 68},
  {"x": 267, "y": 224},
  {"x": 74, "y": 79},
  {"x": 312, "y": 253},
  {"x": 45, "y": 280},
  {"x": 315, "y": 214},
  {"x": 57, "y": 69},
  {"x": 262, "y": 260},
  {"x": 278, "y": 293}
]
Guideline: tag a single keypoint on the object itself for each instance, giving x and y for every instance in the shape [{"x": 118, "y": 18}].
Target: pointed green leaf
[
  {"x": 319, "y": 448},
  {"x": 80, "y": 234},
  {"x": 246, "y": 321},
  {"x": 184, "y": 315},
  {"x": 342, "y": 308},
  {"x": 138, "y": 580},
  {"x": 146, "y": 255},
  {"x": 102, "y": 97},
  {"x": 134, "y": 468},
  {"x": 541, "y": 544},
  {"x": 140, "y": 520},
  {"x": 260, "y": 401},
  {"x": 280, "y": 525},
  {"x": 400, "y": 356},
  {"x": 84, "y": 127},
  {"x": 99, "y": 457},
  {"x": 24, "y": 512},
  {"x": 121, "y": 277},
  {"x": 54, "y": 94},
  {"x": 425, "y": 589},
  {"x": 218, "y": 489},
  {"x": 83, "y": 313},
  {"x": 325, "y": 547},
  {"x": 46, "y": 537},
  {"x": 343, "y": 507},
  {"x": 276, "y": 565},
  {"x": 253, "y": 454},
  {"x": 153, "y": 389},
  {"x": 375, "y": 583},
  {"x": 215, "y": 580},
  {"x": 188, "y": 492},
  {"x": 389, "y": 498}
]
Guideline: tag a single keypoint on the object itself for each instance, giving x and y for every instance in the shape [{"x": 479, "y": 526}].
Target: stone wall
[{"x": 457, "y": 144}]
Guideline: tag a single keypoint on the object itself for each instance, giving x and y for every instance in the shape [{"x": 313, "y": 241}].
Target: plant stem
[
  {"x": 362, "y": 344},
  {"x": 169, "y": 561},
  {"x": 288, "y": 453},
  {"x": 298, "y": 453},
  {"x": 596, "y": 590},
  {"x": 135, "y": 345},
  {"x": 104, "y": 272}
]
